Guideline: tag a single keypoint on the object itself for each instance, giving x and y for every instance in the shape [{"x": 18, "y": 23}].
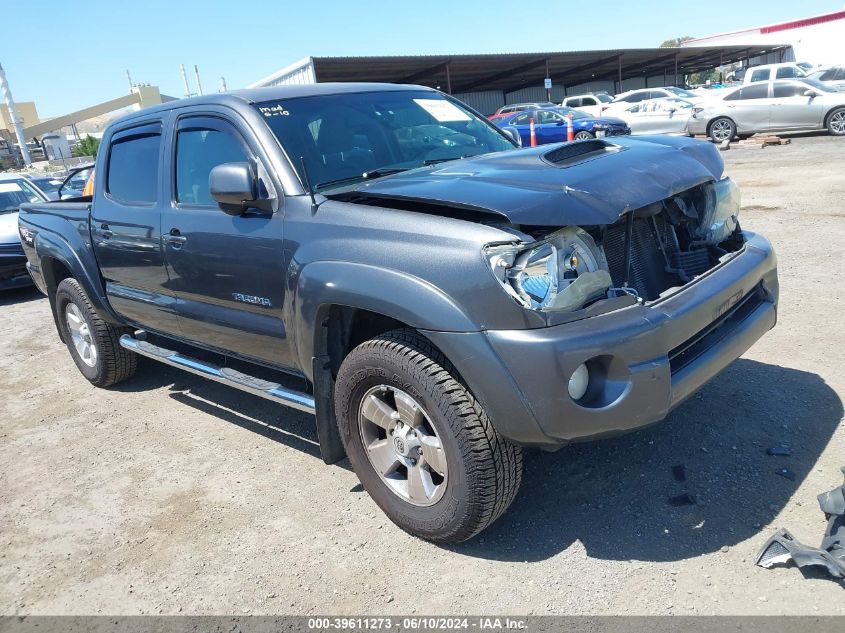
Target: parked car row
[{"x": 780, "y": 103}]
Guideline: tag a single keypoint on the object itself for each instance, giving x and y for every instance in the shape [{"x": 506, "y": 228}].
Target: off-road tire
[
  {"x": 485, "y": 470},
  {"x": 113, "y": 363}
]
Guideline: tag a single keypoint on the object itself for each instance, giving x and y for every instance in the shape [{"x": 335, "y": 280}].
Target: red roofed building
[{"x": 817, "y": 40}]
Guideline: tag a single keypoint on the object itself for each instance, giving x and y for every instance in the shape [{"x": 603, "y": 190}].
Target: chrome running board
[{"x": 256, "y": 386}]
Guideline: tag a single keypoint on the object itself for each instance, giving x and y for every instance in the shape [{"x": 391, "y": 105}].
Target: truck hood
[{"x": 582, "y": 183}]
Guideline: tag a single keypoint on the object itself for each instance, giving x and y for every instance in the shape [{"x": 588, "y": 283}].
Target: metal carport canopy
[{"x": 511, "y": 71}]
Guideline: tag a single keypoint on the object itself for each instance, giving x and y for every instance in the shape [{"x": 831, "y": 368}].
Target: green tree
[
  {"x": 676, "y": 41},
  {"x": 87, "y": 146}
]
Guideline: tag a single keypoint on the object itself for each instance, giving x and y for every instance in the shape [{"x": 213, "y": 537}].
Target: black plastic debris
[
  {"x": 685, "y": 499},
  {"x": 679, "y": 472},
  {"x": 781, "y": 451},
  {"x": 785, "y": 472},
  {"x": 783, "y": 547}
]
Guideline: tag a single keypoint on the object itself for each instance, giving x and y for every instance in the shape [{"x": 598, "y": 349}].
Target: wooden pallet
[{"x": 764, "y": 140}]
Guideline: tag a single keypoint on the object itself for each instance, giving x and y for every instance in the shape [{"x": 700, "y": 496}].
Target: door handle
[
  {"x": 175, "y": 238},
  {"x": 104, "y": 231}
]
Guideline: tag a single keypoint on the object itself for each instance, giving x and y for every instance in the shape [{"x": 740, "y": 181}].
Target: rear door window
[
  {"x": 760, "y": 91},
  {"x": 133, "y": 166},
  {"x": 760, "y": 75}
]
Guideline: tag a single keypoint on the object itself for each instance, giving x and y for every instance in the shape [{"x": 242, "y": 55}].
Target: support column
[
  {"x": 13, "y": 114},
  {"x": 619, "y": 62},
  {"x": 448, "y": 79},
  {"x": 676, "y": 70}
]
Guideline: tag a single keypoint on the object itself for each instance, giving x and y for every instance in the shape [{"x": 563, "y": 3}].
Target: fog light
[{"x": 578, "y": 382}]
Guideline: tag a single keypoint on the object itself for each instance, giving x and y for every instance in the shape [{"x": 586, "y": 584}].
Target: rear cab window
[{"x": 133, "y": 165}]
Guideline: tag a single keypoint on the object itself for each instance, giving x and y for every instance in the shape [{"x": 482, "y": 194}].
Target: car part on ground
[{"x": 830, "y": 554}]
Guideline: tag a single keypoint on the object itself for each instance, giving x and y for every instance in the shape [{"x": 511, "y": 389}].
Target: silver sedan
[{"x": 771, "y": 106}]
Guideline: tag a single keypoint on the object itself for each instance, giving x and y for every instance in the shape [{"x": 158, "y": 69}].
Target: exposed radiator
[{"x": 649, "y": 276}]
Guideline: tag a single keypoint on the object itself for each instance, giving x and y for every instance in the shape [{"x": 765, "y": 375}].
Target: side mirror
[
  {"x": 513, "y": 135},
  {"x": 810, "y": 93},
  {"x": 233, "y": 187}
]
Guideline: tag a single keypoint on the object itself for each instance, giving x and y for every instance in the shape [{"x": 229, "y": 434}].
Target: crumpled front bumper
[{"x": 644, "y": 360}]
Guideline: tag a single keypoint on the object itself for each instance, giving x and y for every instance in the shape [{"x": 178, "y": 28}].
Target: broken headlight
[
  {"x": 721, "y": 211},
  {"x": 561, "y": 273}
]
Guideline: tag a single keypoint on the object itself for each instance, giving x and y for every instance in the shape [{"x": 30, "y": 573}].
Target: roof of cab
[{"x": 272, "y": 93}]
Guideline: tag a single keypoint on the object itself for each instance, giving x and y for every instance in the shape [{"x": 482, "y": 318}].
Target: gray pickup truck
[{"x": 384, "y": 258}]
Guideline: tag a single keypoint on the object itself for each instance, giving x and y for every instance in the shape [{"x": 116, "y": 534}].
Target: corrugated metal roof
[{"x": 513, "y": 71}]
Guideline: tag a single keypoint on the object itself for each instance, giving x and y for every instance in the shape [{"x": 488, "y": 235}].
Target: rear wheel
[
  {"x": 583, "y": 135},
  {"x": 722, "y": 129},
  {"x": 92, "y": 342},
  {"x": 836, "y": 122},
  {"x": 419, "y": 442}
]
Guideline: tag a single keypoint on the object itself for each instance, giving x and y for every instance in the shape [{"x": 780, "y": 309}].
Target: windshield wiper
[
  {"x": 436, "y": 161},
  {"x": 367, "y": 175}
]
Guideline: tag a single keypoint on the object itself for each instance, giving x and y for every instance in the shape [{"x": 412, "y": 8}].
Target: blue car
[{"x": 551, "y": 125}]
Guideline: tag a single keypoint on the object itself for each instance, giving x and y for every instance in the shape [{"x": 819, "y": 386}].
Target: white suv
[
  {"x": 593, "y": 103},
  {"x": 769, "y": 72}
]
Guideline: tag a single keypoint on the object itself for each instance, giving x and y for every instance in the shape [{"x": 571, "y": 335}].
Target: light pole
[{"x": 13, "y": 114}]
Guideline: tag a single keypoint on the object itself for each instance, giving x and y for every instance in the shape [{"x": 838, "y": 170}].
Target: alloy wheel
[
  {"x": 80, "y": 334},
  {"x": 722, "y": 130},
  {"x": 402, "y": 445},
  {"x": 837, "y": 122}
]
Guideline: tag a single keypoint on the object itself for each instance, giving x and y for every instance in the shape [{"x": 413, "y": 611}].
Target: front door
[
  {"x": 792, "y": 109},
  {"x": 126, "y": 228},
  {"x": 227, "y": 272}
]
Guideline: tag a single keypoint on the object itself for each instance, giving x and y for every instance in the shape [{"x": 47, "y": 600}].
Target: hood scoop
[{"x": 578, "y": 152}]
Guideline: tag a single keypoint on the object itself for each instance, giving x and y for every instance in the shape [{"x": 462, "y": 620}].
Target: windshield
[
  {"x": 604, "y": 98},
  {"x": 680, "y": 92},
  {"x": 49, "y": 185},
  {"x": 818, "y": 85},
  {"x": 14, "y": 193},
  {"x": 349, "y": 137},
  {"x": 576, "y": 114}
]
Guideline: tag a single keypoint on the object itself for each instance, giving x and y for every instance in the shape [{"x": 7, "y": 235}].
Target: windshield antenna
[{"x": 308, "y": 184}]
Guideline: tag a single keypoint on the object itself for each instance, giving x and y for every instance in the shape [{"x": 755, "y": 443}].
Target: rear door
[
  {"x": 750, "y": 107},
  {"x": 126, "y": 228},
  {"x": 227, "y": 272}
]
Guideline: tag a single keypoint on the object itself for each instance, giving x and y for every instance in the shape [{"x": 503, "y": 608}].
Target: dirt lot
[{"x": 171, "y": 494}]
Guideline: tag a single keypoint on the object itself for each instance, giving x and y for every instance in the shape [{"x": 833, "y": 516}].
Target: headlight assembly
[
  {"x": 721, "y": 211},
  {"x": 561, "y": 273}
]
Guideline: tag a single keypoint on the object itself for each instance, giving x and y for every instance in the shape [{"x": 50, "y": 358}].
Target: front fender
[{"x": 400, "y": 296}]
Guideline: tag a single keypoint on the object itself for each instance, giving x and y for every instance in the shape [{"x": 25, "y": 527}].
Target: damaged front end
[{"x": 647, "y": 254}]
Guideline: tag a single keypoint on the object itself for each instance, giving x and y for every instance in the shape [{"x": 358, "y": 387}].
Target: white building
[{"x": 817, "y": 40}]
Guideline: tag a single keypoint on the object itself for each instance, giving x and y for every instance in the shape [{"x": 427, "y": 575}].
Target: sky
[{"x": 69, "y": 54}]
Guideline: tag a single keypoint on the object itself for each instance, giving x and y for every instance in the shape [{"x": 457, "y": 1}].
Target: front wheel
[
  {"x": 583, "y": 135},
  {"x": 836, "y": 122},
  {"x": 419, "y": 442},
  {"x": 722, "y": 129}
]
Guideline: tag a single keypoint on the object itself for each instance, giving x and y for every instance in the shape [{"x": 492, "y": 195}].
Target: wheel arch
[
  {"x": 341, "y": 304},
  {"x": 716, "y": 118},
  {"x": 58, "y": 260},
  {"x": 830, "y": 112}
]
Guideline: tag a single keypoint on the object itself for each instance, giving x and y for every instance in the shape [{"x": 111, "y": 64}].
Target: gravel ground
[{"x": 171, "y": 494}]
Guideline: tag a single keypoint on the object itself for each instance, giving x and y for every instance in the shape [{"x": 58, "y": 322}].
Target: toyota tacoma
[{"x": 384, "y": 258}]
